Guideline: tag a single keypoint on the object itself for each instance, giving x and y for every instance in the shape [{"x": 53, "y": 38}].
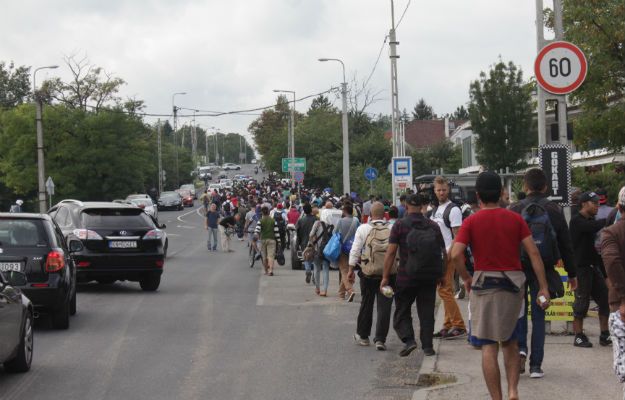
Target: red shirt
[{"x": 495, "y": 237}]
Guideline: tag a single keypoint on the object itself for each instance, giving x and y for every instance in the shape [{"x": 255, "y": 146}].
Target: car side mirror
[
  {"x": 75, "y": 246},
  {"x": 16, "y": 278}
]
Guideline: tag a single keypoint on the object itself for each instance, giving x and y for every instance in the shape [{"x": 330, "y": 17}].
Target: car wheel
[
  {"x": 60, "y": 318},
  {"x": 106, "y": 281},
  {"x": 72, "y": 304},
  {"x": 24, "y": 357},
  {"x": 150, "y": 283}
]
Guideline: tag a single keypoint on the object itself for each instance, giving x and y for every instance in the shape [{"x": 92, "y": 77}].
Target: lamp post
[
  {"x": 175, "y": 110},
  {"x": 40, "y": 160},
  {"x": 291, "y": 144},
  {"x": 346, "y": 188}
]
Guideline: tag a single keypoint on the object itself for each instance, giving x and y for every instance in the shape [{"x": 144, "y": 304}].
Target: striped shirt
[{"x": 264, "y": 228}]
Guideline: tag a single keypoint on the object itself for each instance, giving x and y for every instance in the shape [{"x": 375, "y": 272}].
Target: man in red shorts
[{"x": 496, "y": 288}]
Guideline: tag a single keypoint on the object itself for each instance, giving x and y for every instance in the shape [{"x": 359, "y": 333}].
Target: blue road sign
[
  {"x": 402, "y": 166},
  {"x": 371, "y": 174},
  {"x": 298, "y": 176}
]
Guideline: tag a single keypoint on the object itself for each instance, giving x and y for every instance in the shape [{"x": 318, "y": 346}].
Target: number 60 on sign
[{"x": 560, "y": 67}]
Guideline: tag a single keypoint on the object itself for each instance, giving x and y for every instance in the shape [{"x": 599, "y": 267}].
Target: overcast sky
[{"x": 230, "y": 55}]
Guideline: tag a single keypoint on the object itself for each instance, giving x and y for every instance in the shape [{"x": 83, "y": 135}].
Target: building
[{"x": 421, "y": 134}]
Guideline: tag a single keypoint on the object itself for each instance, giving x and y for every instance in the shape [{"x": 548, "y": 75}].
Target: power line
[
  {"x": 403, "y": 14},
  {"x": 376, "y": 61}
]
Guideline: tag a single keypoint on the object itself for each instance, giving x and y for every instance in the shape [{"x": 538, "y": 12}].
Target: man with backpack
[
  {"x": 448, "y": 216},
  {"x": 317, "y": 240},
  {"x": 346, "y": 226},
  {"x": 544, "y": 218},
  {"x": 421, "y": 267},
  {"x": 368, "y": 251}
]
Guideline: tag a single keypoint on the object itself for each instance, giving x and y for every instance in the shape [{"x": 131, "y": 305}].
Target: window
[
  {"x": 22, "y": 233},
  {"x": 467, "y": 153},
  {"x": 115, "y": 218},
  {"x": 62, "y": 218}
]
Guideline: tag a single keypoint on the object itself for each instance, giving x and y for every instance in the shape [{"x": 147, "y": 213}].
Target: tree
[
  {"x": 500, "y": 111},
  {"x": 461, "y": 113},
  {"x": 14, "y": 84},
  {"x": 599, "y": 30},
  {"x": 321, "y": 102},
  {"x": 422, "y": 111}
]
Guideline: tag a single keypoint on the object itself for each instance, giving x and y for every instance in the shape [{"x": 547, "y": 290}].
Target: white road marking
[{"x": 185, "y": 214}]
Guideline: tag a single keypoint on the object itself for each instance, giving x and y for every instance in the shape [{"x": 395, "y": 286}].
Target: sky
[{"x": 231, "y": 55}]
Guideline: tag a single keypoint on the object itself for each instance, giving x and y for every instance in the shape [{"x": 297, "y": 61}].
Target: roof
[
  {"x": 24, "y": 216},
  {"x": 421, "y": 134}
]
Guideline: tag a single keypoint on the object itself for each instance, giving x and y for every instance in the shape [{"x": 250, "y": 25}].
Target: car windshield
[
  {"x": 115, "y": 218},
  {"x": 185, "y": 193},
  {"x": 187, "y": 187},
  {"x": 142, "y": 202},
  {"x": 169, "y": 195},
  {"x": 22, "y": 233}
]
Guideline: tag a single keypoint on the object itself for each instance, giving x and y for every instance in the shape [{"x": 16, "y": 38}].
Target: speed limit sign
[{"x": 560, "y": 67}]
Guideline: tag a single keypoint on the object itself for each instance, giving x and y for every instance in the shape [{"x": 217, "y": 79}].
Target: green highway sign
[{"x": 293, "y": 165}]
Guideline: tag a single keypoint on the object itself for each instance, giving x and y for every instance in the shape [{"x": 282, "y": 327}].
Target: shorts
[
  {"x": 516, "y": 334},
  {"x": 268, "y": 249},
  {"x": 590, "y": 283}
]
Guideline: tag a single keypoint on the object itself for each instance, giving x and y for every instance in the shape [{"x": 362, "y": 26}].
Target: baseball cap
[
  {"x": 621, "y": 196},
  {"x": 589, "y": 196},
  {"x": 279, "y": 206},
  {"x": 603, "y": 196}
]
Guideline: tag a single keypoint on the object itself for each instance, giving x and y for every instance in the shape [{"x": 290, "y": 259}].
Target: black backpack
[
  {"x": 326, "y": 234},
  {"x": 543, "y": 234},
  {"x": 425, "y": 254},
  {"x": 468, "y": 254}
]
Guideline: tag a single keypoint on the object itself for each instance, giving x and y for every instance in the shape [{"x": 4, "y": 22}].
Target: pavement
[{"x": 571, "y": 373}]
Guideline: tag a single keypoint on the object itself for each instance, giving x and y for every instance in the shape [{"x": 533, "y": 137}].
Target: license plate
[
  {"x": 10, "y": 266},
  {"x": 125, "y": 244}
]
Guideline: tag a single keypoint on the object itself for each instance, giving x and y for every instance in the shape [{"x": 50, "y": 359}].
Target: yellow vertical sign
[{"x": 560, "y": 309}]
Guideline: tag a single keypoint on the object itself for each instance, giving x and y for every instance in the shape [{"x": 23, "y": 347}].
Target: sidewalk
[{"x": 570, "y": 372}]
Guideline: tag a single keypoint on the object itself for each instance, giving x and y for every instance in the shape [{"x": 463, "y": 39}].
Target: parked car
[
  {"x": 204, "y": 173},
  {"x": 16, "y": 316},
  {"x": 34, "y": 245},
  {"x": 170, "y": 200},
  {"x": 230, "y": 166},
  {"x": 191, "y": 188},
  {"x": 254, "y": 161},
  {"x": 226, "y": 183},
  {"x": 145, "y": 204},
  {"x": 120, "y": 242},
  {"x": 214, "y": 186},
  {"x": 187, "y": 198}
]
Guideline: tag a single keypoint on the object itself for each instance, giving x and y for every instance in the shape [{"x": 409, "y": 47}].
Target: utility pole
[
  {"x": 396, "y": 141},
  {"x": 193, "y": 140},
  {"x": 175, "y": 110},
  {"x": 160, "y": 158}
]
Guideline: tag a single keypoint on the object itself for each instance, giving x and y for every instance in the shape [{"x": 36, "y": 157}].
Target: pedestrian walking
[
  {"x": 346, "y": 226},
  {"x": 613, "y": 255},
  {"x": 17, "y": 207},
  {"x": 303, "y": 227},
  {"x": 317, "y": 239},
  {"x": 211, "y": 224},
  {"x": 227, "y": 226},
  {"x": 496, "y": 289},
  {"x": 590, "y": 278},
  {"x": 269, "y": 235},
  {"x": 421, "y": 268},
  {"x": 542, "y": 214},
  {"x": 368, "y": 251},
  {"x": 448, "y": 216}
]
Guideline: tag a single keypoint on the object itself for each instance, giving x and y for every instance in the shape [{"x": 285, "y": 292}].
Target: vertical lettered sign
[{"x": 555, "y": 161}]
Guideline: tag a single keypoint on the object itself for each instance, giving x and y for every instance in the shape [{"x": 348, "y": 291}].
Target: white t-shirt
[{"x": 455, "y": 220}]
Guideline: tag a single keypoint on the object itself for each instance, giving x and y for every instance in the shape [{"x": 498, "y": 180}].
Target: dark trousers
[
  {"x": 370, "y": 291},
  {"x": 538, "y": 327},
  {"x": 424, "y": 293}
]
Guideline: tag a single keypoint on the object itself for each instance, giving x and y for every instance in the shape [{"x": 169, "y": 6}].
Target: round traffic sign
[
  {"x": 298, "y": 176},
  {"x": 560, "y": 67},
  {"x": 371, "y": 174}
]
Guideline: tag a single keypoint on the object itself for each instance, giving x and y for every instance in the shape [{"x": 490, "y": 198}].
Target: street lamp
[
  {"x": 291, "y": 144},
  {"x": 40, "y": 160},
  {"x": 175, "y": 109},
  {"x": 346, "y": 188}
]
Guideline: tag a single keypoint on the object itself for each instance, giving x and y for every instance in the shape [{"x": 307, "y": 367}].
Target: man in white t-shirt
[{"x": 448, "y": 216}]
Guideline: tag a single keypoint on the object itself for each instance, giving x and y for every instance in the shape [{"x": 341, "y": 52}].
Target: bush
[{"x": 611, "y": 179}]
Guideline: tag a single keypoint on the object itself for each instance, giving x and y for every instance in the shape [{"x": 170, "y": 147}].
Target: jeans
[
  {"x": 538, "y": 328},
  {"x": 370, "y": 291},
  {"x": 212, "y": 232},
  {"x": 319, "y": 264},
  {"x": 308, "y": 266},
  {"x": 425, "y": 295}
]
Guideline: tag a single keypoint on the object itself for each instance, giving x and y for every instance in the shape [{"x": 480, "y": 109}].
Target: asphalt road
[{"x": 215, "y": 329}]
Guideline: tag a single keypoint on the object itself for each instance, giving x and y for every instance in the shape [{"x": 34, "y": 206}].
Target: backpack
[
  {"x": 468, "y": 254},
  {"x": 425, "y": 255},
  {"x": 281, "y": 226},
  {"x": 446, "y": 215},
  {"x": 543, "y": 233},
  {"x": 376, "y": 243},
  {"x": 226, "y": 207},
  {"x": 326, "y": 234}
]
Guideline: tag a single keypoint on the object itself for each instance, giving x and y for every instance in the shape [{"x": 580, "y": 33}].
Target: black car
[
  {"x": 34, "y": 245},
  {"x": 16, "y": 323},
  {"x": 170, "y": 200},
  {"x": 120, "y": 242}
]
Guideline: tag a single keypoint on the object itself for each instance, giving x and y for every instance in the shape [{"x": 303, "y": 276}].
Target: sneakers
[
  {"x": 360, "y": 341},
  {"x": 536, "y": 372},
  {"x": 522, "y": 359},
  {"x": 455, "y": 333},
  {"x": 441, "y": 334},
  {"x": 429, "y": 352},
  {"x": 380, "y": 346},
  {"x": 408, "y": 348},
  {"x": 350, "y": 297},
  {"x": 308, "y": 276},
  {"x": 604, "y": 339},
  {"x": 581, "y": 340}
]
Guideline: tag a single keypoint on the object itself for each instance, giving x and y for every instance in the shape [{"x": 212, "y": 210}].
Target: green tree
[
  {"x": 14, "y": 84},
  {"x": 422, "y": 111},
  {"x": 598, "y": 28},
  {"x": 461, "y": 113},
  {"x": 500, "y": 111}
]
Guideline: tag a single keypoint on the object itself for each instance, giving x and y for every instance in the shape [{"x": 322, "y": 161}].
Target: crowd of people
[{"x": 502, "y": 254}]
